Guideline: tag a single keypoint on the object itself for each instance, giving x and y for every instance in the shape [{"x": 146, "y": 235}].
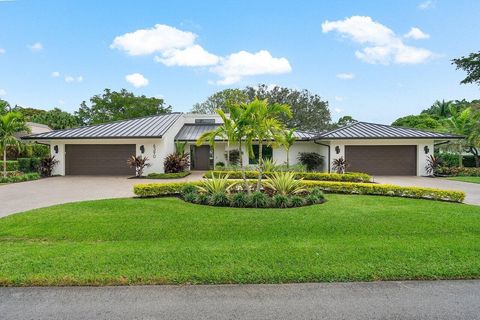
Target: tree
[
  {"x": 10, "y": 124},
  {"x": 439, "y": 109},
  {"x": 56, "y": 119},
  {"x": 288, "y": 139},
  {"x": 4, "y": 107},
  {"x": 422, "y": 122},
  {"x": 471, "y": 65},
  {"x": 221, "y": 100},
  {"x": 345, "y": 121},
  {"x": 112, "y": 106}
]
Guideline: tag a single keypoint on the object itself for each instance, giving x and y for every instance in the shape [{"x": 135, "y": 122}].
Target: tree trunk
[
  {"x": 242, "y": 168},
  {"x": 288, "y": 158},
  {"x": 5, "y": 162},
  {"x": 260, "y": 164},
  {"x": 228, "y": 153},
  {"x": 460, "y": 159}
]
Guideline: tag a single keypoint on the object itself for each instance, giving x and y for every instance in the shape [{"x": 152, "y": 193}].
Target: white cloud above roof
[
  {"x": 194, "y": 56},
  {"x": 137, "y": 80},
  {"x": 416, "y": 34}
]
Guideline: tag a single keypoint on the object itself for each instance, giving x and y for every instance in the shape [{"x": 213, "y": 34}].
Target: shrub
[
  {"x": 24, "y": 164},
  {"x": 46, "y": 166},
  {"x": 139, "y": 163},
  {"x": 339, "y": 165},
  {"x": 20, "y": 178},
  {"x": 202, "y": 198},
  {"x": 258, "y": 199},
  {"x": 239, "y": 200},
  {"x": 187, "y": 188},
  {"x": 168, "y": 175},
  {"x": 313, "y": 199},
  {"x": 12, "y": 165},
  {"x": 296, "y": 201},
  {"x": 317, "y": 192},
  {"x": 280, "y": 201},
  {"x": 216, "y": 185},
  {"x": 311, "y": 160},
  {"x": 283, "y": 183},
  {"x": 35, "y": 164},
  {"x": 457, "y": 171},
  {"x": 234, "y": 157},
  {"x": 220, "y": 164},
  {"x": 190, "y": 197},
  {"x": 269, "y": 165},
  {"x": 320, "y": 176},
  {"x": 175, "y": 162},
  {"x": 219, "y": 199}
]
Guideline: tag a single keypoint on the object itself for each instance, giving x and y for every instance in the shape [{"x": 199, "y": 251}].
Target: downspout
[{"x": 328, "y": 154}]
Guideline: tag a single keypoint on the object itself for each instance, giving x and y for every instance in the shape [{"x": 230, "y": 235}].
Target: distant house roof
[
  {"x": 191, "y": 132},
  {"x": 366, "y": 130},
  {"x": 146, "y": 127},
  {"x": 35, "y": 128}
]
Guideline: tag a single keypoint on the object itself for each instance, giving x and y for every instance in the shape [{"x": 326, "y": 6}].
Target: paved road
[
  {"x": 17, "y": 197},
  {"x": 472, "y": 190},
  {"x": 376, "y": 300}
]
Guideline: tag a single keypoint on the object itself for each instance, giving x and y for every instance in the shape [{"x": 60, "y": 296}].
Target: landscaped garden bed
[{"x": 172, "y": 175}]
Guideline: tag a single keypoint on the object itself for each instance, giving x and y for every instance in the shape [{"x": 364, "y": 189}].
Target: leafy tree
[
  {"x": 4, "y": 107},
  {"x": 28, "y": 113},
  {"x": 112, "y": 105},
  {"x": 345, "y": 120},
  {"x": 288, "y": 139},
  {"x": 471, "y": 65},
  {"x": 422, "y": 121},
  {"x": 56, "y": 119},
  {"x": 10, "y": 124},
  {"x": 221, "y": 100},
  {"x": 439, "y": 109}
]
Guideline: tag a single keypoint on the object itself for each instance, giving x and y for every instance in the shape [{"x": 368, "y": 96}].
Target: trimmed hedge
[
  {"x": 29, "y": 164},
  {"x": 319, "y": 176},
  {"x": 457, "y": 171},
  {"x": 20, "y": 178},
  {"x": 168, "y": 175},
  {"x": 166, "y": 189},
  {"x": 12, "y": 165}
]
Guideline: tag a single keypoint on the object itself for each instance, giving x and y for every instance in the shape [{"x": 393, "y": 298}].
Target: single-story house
[{"x": 104, "y": 148}]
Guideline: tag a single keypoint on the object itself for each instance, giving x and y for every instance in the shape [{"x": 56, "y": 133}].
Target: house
[
  {"x": 35, "y": 128},
  {"x": 104, "y": 148}
]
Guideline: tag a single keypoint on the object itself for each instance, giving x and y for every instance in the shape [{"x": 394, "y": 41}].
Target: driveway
[
  {"x": 472, "y": 190},
  {"x": 373, "y": 300},
  {"x": 17, "y": 197}
]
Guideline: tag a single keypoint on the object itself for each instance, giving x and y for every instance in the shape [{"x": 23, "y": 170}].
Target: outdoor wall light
[
  {"x": 142, "y": 149},
  {"x": 55, "y": 149},
  {"x": 426, "y": 149},
  {"x": 337, "y": 149}
]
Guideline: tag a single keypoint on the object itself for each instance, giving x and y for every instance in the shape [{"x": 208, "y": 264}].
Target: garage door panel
[
  {"x": 93, "y": 159},
  {"x": 382, "y": 160}
]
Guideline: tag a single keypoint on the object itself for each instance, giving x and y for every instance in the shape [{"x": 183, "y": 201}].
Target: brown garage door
[
  {"x": 98, "y": 159},
  {"x": 382, "y": 160}
]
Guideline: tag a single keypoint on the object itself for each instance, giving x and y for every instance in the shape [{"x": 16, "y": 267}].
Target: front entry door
[{"x": 201, "y": 158}]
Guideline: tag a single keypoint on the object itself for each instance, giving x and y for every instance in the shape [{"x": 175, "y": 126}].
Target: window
[
  {"x": 204, "y": 121},
  {"x": 267, "y": 153}
]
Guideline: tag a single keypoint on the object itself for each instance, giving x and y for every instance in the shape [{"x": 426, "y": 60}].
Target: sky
[{"x": 373, "y": 60}]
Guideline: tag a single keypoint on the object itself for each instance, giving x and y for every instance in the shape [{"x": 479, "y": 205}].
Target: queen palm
[{"x": 10, "y": 124}]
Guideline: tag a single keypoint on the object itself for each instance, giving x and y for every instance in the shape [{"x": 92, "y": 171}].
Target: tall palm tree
[
  {"x": 10, "y": 124},
  {"x": 462, "y": 123},
  {"x": 288, "y": 139}
]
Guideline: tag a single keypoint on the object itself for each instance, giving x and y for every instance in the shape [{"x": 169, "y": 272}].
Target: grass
[
  {"x": 176, "y": 175},
  {"x": 168, "y": 241},
  {"x": 465, "y": 179}
]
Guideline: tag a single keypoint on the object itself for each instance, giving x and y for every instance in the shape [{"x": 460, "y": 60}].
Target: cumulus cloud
[
  {"x": 345, "y": 76},
  {"x": 174, "y": 47},
  {"x": 71, "y": 79},
  {"x": 36, "y": 47},
  {"x": 416, "y": 34},
  {"x": 429, "y": 4},
  {"x": 3, "y": 92},
  {"x": 137, "y": 80},
  {"x": 241, "y": 64},
  {"x": 55, "y": 74},
  {"x": 381, "y": 44}
]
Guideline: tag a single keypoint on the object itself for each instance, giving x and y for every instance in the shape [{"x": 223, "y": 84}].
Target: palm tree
[
  {"x": 288, "y": 139},
  {"x": 441, "y": 109},
  {"x": 462, "y": 123},
  {"x": 10, "y": 124}
]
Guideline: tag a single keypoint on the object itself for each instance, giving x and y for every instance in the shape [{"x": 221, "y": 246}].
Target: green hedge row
[
  {"x": 319, "y": 176},
  {"x": 29, "y": 164},
  {"x": 20, "y": 178},
  {"x": 12, "y": 165},
  {"x": 168, "y": 175},
  {"x": 457, "y": 171},
  {"x": 165, "y": 189}
]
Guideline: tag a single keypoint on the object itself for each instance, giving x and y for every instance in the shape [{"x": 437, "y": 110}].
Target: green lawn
[
  {"x": 160, "y": 241},
  {"x": 466, "y": 179}
]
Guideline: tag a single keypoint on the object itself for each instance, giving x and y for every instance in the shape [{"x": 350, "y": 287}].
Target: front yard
[
  {"x": 165, "y": 240},
  {"x": 465, "y": 179}
]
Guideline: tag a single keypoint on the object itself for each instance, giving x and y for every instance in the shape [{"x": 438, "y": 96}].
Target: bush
[
  {"x": 12, "y": 165},
  {"x": 220, "y": 164},
  {"x": 311, "y": 160},
  {"x": 457, "y": 171},
  {"x": 202, "y": 198},
  {"x": 297, "y": 201},
  {"x": 219, "y": 199},
  {"x": 139, "y": 163},
  {"x": 451, "y": 159},
  {"x": 35, "y": 164},
  {"x": 190, "y": 197},
  {"x": 176, "y": 175},
  {"x": 46, "y": 166},
  {"x": 258, "y": 199},
  {"x": 234, "y": 157},
  {"x": 187, "y": 188},
  {"x": 20, "y": 178},
  {"x": 283, "y": 183},
  {"x": 214, "y": 184},
  {"x": 239, "y": 200},
  {"x": 175, "y": 162},
  {"x": 313, "y": 199},
  {"x": 320, "y": 176},
  {"x": 317, "y": 192},
  {"x": 280, "y": 201},
  {"x": 24, "y": 164}
]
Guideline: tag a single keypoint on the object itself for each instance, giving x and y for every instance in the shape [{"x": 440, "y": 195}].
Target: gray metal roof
[
  {"x": 366, "y": 130},
  {"x": 191, "y": 132},
  {"x": 147, "y": 127}
]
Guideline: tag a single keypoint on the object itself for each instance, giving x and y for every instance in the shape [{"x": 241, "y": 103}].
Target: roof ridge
[{"x": 338, "y": 129}]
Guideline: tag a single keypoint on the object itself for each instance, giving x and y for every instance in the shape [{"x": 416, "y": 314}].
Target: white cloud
[
  {"x": 338, "y": 110},
  {"x": 79, "y": 79},
  {"x": 137, "y": 80},
  {"x": 69, "y": 79},
  {"x": 2, "y": 51},
  {"x": 382, "y": 45},
  {"x": 345, "y": 76},
  {"x": 429, "y": 4},
  {"x": 241, "y": 64},
  {"x": 3, "y": 92},
  {"x": 416, "y": 34},
  {"x": 157, "y": 39},
  {"x": 194, "y": 56},
  {"x": 36, "y": 47},
  {"x": 55, "y": 74}
]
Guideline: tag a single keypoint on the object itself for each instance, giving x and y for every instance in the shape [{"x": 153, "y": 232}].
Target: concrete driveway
[
  {"x": 17, "y": 197},
  {"x": 472, "y": 190}
]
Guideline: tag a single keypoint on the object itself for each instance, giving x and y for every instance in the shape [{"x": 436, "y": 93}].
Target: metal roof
[
  {"x": 366, "y": 130},
  {"x": 146, "y": 127},
  {"x": 191, "y": 132}
]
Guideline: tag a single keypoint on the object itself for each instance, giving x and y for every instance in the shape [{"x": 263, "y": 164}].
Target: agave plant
[
  {"x": 216, "y": 185},
  {"x": 284, "y": 183}
]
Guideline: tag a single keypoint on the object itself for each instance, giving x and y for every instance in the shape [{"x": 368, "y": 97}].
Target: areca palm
[
  {"x": 463, "y": 123},
  {"x": 288, "y": 139},
  {"x": 10, "y": 124}
]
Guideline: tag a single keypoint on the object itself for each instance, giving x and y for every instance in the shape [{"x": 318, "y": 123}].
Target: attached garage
[
  {"x": 98, "y": 159},
  {"x": 382, "y": 160}
]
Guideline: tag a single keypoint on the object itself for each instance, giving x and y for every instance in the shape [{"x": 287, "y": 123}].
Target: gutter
[
  {"x": 441, "y": 143},
  {"x": 328, "y": 155}
]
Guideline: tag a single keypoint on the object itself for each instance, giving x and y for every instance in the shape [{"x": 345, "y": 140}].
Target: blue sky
[{"x": 361, "y": 56}]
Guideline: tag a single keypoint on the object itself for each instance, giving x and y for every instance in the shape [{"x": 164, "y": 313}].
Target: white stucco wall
[
  {"x": 280, "y": 154},
  {"x": 421, "y": 156}
]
